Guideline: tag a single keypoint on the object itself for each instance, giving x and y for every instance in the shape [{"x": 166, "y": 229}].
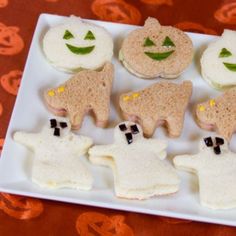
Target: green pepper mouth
[
  {"x": 230, "y": 66},
  {"x": 80, "y": 50},
  {"x": 159, "y": 56}
]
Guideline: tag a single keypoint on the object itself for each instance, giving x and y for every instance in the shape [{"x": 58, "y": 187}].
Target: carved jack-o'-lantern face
[
  {"x": 11, "y": 81},
  {"x": 10, "y": 41},
  {"x": 1, "y": 143},
  {"x": 90, "y": 222},
  {"x": 190, "y": 26},
  {"x": 19, "y": 207},
  {"x": 1, "y": 109},
  {"x": 158, "y": 2},
  {"x": 227, "y": 13},
  {"x": 3, "y": 3},
  {"x": 116, "y": 11},
  {"x": 156, "y": 50}
]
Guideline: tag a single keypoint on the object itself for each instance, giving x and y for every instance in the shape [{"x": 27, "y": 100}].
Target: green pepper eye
[
  {"x": 68, "y": 35},
  {"x": 89, "y": 36},
  {"x": 225, "y": 53},
  {"x": 168, "y": 42},
  {"x": 148, "y": 42}
]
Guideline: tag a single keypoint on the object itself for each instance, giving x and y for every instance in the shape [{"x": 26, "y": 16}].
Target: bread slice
[
  {"x": 215, "y": 171},
  {"x": 138, "y": 166},
  {"x": 56, "y": 161},
  {"x": 213, "y": 61},
  {"x": 219, "y": 114},
  {"x": 150, "y": 39},
  {"x": 87, "y": 91},
  {"x": 76, "y": 45},
  {"x": 159, "y": 104}
]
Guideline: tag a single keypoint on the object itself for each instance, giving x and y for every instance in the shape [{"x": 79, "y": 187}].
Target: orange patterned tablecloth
[{"x": 26, "y": 216}]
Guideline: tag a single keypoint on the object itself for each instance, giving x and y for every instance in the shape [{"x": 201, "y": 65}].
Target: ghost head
[{"x": 128, "y": 132}]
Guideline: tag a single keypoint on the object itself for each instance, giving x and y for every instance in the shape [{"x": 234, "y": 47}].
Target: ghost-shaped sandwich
[
  {"x": 156, "y": 51},
  {"x": 76, "y": 45},
  {"x": 218, "y": 62},
  {"x": 137, "y": 163},
  {"x": 215, "y": 166},
  {"x": 57, "y": 153}
]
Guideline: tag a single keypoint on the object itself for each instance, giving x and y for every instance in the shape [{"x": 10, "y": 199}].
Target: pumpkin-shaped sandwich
[
  {"x": 76, "y": 45},
  {"x": 156, "y": 51}
]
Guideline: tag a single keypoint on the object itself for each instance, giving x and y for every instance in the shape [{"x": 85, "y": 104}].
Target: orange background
[{"x": 26, "y": 216}]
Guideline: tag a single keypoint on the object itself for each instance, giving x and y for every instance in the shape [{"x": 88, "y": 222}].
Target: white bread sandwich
[
  {"x": 218, "y": 62},
  {"x": 215, "y": 167},
  {"x": 76, "y": 45},
  {"x": 137, "y": 163},
  {"x": 57, "y": 153}
]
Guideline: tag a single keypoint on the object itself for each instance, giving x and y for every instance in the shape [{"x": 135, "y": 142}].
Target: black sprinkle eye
[
  {"x": 217, "y": 150},
  {"x": 129, "y": 138},
  {"x": 56, "y": 132},
  {"x": 168, "y": 42},
  {"x": 53, "y": 123},
  {"x": 63, "y": 125},
  {"x": 134, "y": 129},
  {"x": 123, "y": 127},
  {"x": 68, "y": 35},
  {"x": 208, "y": 141},
  {"x": 219, "y": 141}
]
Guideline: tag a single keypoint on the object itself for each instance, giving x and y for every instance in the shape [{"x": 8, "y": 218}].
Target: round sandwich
[
  {"x": 218, "y": 62},
  {"x": 77, "y": 45},
  {"x": 156, "y": 51}
]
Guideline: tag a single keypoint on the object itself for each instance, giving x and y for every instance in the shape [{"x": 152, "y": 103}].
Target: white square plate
[{"x": 30, "y": 114}]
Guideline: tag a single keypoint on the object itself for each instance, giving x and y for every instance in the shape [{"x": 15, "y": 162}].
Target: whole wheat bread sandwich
[
  {"x": 219, "y": 114},
  {"x": 156, "y": 51},
  {"x": 159, "y": 104},
  {"x": 87, "y": 91}
]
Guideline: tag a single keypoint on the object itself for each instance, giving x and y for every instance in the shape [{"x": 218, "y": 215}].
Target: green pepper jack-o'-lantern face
[
  {"x": 79, "y": 50},
  {"x": 218, "y": 61},
  {"x": 226, "y": 53},
  {"x": 159, "y": 56},
  {"x": 156, "y": 50},
  {"x": 77, "y": 45}
]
